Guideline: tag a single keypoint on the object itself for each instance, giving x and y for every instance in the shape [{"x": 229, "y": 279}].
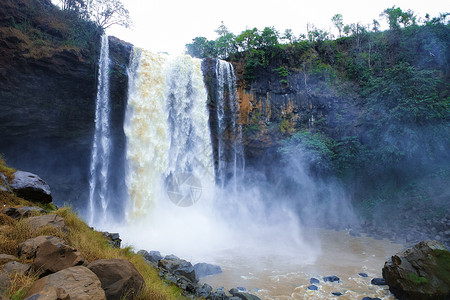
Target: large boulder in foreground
[
  {"x": 421, "y": 272},
  {"x": 119, "y": 278},
  {"x": 75, "y": 283},
  {"x": 31, "y": 187},
  {"x": 50, "y": 254}
]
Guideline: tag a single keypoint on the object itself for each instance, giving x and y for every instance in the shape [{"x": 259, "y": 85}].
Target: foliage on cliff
[
  {"x": 401, "y": 80},
  {"x": 46, "y": 26}
]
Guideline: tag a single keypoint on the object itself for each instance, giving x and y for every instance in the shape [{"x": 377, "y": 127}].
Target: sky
[{"x": 167, "y": 25}]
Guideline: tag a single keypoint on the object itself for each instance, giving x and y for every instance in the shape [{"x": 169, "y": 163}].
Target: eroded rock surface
[
  {"x": 420, "y": 272},
  {"x": 77, "y": 283}
]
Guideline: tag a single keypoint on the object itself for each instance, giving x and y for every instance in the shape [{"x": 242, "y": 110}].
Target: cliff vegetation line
[{"x": 388, "y": 143}]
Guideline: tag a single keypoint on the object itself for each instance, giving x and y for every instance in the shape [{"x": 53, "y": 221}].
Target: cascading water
[
  {"x": 101, "y": 146},
  {"x": 257, "y": 244},
  {"x": 166, "y": 127},
  {"x": 230, "y": 152}
]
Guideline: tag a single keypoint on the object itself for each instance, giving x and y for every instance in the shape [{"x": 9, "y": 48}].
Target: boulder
[
  {"x": 51, "y": 254},
  {"x": 21, "y": 212},
  {"x": 47, "y": 220},
  {"x": 118, "y": 277},
  {"x": 204, "y": 269},
  {"x": 75, "y": 283},
  {"x": 420, "y": 272},
  {"x": 179, "y": 267},
  {"x": 31, "y": 187}
]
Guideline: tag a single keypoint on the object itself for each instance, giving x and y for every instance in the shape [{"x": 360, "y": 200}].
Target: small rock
[
  {"x": 331, "y": 278},
  {"x": 21, "y": 212},
  {"x": 337, "y": 294},
  {"x": 16, "y": 267},
  {"x": 171, "y": 257},
  {"x": 151, "y": 256},
  {"x": 378, "y": 281},
  {"x": 314, "y": 281},
  {"x": 4, "y": 258},
  {"x": 113, "y": 239},
  {"x": 363, "y": 275},
  {"x": 218, "y": 295},
  {"x": 245, "y": 296},
  {"x": 50, "y": 293},
  {"x": 203, "y": 291},
  {"x": 313, "y": 288}
]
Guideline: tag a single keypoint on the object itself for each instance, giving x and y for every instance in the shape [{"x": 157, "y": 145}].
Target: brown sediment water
[{"x": 281, "y": 277}]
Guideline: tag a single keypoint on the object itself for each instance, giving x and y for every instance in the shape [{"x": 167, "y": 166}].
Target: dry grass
[
  {"x": 7, "y": 171},
  {"x": 19, "y": 285},
  {"x": 93, "y": 245}
]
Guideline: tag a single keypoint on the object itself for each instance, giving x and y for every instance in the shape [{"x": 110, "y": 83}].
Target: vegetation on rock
[{"x": 398, "y": 80}]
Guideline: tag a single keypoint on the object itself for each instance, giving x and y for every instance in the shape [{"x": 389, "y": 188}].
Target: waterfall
[
  {"x": 167, "y": 130},
  {"x": 230, "y": 152},
  {"x": 101, "y": 146}
]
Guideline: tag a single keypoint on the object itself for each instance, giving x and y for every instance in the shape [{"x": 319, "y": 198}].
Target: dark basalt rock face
[{"x": 47, "y": 100}]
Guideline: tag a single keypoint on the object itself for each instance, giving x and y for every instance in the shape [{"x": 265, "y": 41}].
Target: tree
[
  {"x": 289, "y": 36},
  {"x": 106, "y": 13},
  {"x": 408, "y": 18},
  {"x": 375, "y": 25},
  {"x": 315, "y": 34},
  {"x": 225, "y": 44},
  {"x": 393, "y": 15},
  {"x": 247, "y": 40},
  {"x": 73, "y": 5},
  {"x": 268, "y": 37},
  {"x": 338, "y": 21},
  {"x": 201, "y": 47}
]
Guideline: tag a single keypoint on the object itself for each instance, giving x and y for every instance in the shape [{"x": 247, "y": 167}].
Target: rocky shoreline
[{"x": 420, "y": 272}]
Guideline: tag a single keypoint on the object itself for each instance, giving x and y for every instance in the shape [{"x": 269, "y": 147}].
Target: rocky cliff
[{"x": 47, "y": 93}]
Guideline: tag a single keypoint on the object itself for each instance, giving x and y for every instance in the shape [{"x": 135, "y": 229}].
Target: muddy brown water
[{"x": 283, "y": 277}]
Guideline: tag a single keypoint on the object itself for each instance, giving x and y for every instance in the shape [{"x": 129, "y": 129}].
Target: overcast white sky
[{"x": 167, "y": 25}]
